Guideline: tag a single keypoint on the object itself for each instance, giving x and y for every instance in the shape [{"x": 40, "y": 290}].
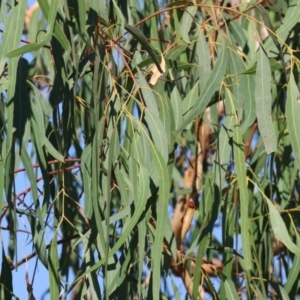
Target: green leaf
[
  {"x": 239, "y": 33},
  {"x": 53, "y": 267},
  {"x": 6, "y": 279},
  {"x": 120, "y": 17},
  {"x": 269, "y": 25},
  {"x": 175, "y": 52},
  {"x": 239, "y": 159},
  {"x": 249, "y": 103},
  {"x": 275, "y": 65},
  {"x": 86, "y": 171},
  {"x": 263, "y": 100},
  {"x": 49, "y": 147},
  {"x": 279, "y": 228},
  {"x": 197, "y": 275},
  {"x": 204, "y": 61},
  {"x": 95, "y": 187},
  {"x": 222, "y": 155},
  {"x": 12, "y": 34},
  {"x": 277, "y": 5},
  {"x": 144, "y": 42},
  {"x": 34, "y": 189},
  {"x": 46, "y": 38},
  {"x": 291, "y": 18},
  {"x": 114, "y": 143},
  {"x": 58, "y": 31},
  {"x": 214, "y": 82},
  {"x": 100, "y": 7},
  {"x": 155, "y": 125},
  {"x": 81, "y": 14},
  {"x": 170, "y": 63},
  {"x": 162, "y": 217},
  {"x": 293, "y": 271},
  {"x": 176, "y": 104},
  {"x": 186, "y": 22},
  {"x": 293, "y": 116},
  {"x": 230, "y": 289},
  {"x": 190, "y": 101}
]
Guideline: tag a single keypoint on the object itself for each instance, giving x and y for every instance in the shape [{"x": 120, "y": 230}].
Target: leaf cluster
[{"x": 159, "y": 142}]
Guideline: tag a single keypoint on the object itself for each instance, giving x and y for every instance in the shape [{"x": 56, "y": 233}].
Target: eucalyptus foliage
[{"x": 105, "y": 108}]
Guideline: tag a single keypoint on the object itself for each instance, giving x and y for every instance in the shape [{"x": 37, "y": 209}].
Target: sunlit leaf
[
  {"x": 186, "y": 22},
  {"x": 293, "y": 116},
  {"x": 293, "y": 272},
  {"x": 230, "y": 289},
  {"x": 238, "y": 150},
  {"x": 213, "y": 85},
  {"x": 263, "y": 99},
  {"x": 105, "y": 129},
  {"x": 280, "y": 230},
  {"x": 203, "y": 58},
  {"x": 46, "y": 38}
]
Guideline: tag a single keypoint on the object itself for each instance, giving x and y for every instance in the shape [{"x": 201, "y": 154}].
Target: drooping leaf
[
  {"x": 53, "y": 265},
  {"x": 12, "y": 34},
  {"x": 186, "y": 22},
  {"x": 204, "y": 61},
  {"x": 238, "y": 150},
  {"x": 293, "y": 272},
  {"x": 6, "y": 280},
  {"x": 279, "y": 228},
  {"x": 46, "y": 38},
  {"x": 230, "y": 289},
  {"x": 144, "y": 42},
  {"x": 155, "y": 125},
  {"x": 213, "y": 85},
  {"x": 293, "y": 116},
  {"x": 263, "y": 100},
  {"x": 291, "y": 16}
]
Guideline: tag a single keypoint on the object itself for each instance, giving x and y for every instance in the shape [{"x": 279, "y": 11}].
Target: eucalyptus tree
[{"x": 159, "y": 142}]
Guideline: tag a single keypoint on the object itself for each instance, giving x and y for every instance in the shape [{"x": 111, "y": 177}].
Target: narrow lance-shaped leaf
[
  {"x": 6, "y": 280},
  {"x": 293, "y": 116},
  {"x": 239, "y": 159},
  {"x": 95, "y": 175},
  {"x": 144, "y": 42},
  {"x": 30, "y": 173},
  {"x": 176, "y": 105},
  {"x": 263, "y": 99},
  {"x": 53, "y": 267},
  {"x": 230, "y": 289},
  {"x": 155, "y": 125},
  {"x": 186, "y": 22},
  {"x": 45, "y": 39},
  {"x": 214, "y": 83},
  {"x": 279, "y": 228},
  {"x": 12, "y": 34},
  {"x": 269, "y": 25},
  {"x": 190, "y": 101},
  {"x": 162, "y": 216},
  {"x": 80, "y": 14},
  {"x": 107, "y": 197},
  {"x": 293, "y": 271},
  {"x": 292, "y": 15},
  {"x": 204, "y": 60},
  {"x": 249, "y": 104}
]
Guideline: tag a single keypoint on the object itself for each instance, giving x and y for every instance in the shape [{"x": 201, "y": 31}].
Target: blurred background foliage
[{"x": 160, "y": 145}]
